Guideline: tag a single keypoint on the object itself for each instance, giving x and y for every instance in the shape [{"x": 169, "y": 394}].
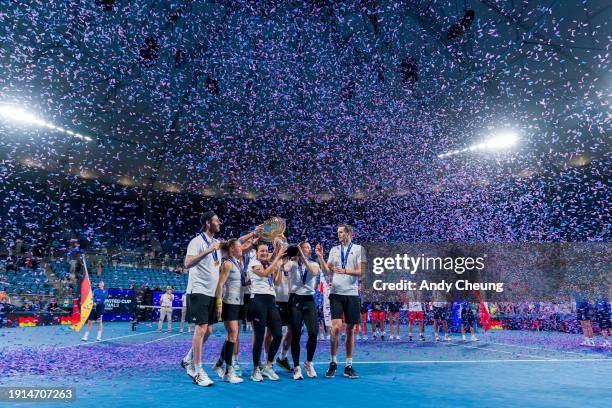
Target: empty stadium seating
[
  {"x": 26, "y": 281},
  {"x": 124, "y": 277}
]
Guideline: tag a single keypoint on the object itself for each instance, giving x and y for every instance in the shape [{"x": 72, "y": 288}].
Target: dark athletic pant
[
  {"x": 302, "y": 310},
  {"x": 264, "y": 313}
]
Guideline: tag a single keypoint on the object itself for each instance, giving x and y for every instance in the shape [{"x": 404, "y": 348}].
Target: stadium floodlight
[
  {"x": 501, "y": 140},
  {"x": 15, "y": 114},
  {"x": 498, "y": 141}
]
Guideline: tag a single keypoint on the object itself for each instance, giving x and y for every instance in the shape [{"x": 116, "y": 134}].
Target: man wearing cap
[{"x": 165, "y": 310}]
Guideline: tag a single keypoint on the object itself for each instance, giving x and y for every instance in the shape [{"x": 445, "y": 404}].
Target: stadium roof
[{"x": 303, "y": 98}]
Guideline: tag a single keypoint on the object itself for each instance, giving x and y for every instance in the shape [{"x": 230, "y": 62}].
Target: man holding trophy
[{"x": 346, "y": 264}]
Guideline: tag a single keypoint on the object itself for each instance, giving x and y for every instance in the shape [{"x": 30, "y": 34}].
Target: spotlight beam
[
  {"x": 15, "y": 114},
  {"x": 499, "y": 141}
]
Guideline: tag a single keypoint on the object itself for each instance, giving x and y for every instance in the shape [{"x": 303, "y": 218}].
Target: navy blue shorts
[
  {"x": 583, "y": 313},
  {"x": 96, "y": 312},
  {"x": 440, "y": 313},
  {"x": 603, "y": 319},
  {"x": 467, "y": 318}
]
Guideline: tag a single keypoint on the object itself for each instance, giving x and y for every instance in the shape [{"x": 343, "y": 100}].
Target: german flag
[
  {"x": 28, "y": 321},
  {"x": 86, "y": 300}
]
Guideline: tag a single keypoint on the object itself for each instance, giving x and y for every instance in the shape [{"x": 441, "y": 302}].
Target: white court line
[
  {"x": 537, "y": 348},
  {"x": 557, "y": 360},
  {"x": 500, "y": 351},
  {"x": 161, "y": 338},
  {"x": 92, "y": 342}
]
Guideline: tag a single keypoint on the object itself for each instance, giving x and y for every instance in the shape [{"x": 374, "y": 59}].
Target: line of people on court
[
  {"x": 244, "y": 278},
  {"x": 394, "y": 313}
]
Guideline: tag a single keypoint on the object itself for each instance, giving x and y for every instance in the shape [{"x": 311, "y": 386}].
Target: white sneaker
[
  {"x": 437, "y": 339},
  {"x": 231, "y": 376},
  {"x": 237, "y": 369},
  {"x": 592, "y": 342},
  {"x": 398, "y": 337},
  {"x": 365, "y": 337},
  {"x": 310, "y": 371},
  {"x": 297, "y": 373},
  {"x": 421, "y": 337},
  {"x": 181, "y": 330},
  {"x": 219, "y": 370},
  {"x": 328, "y": 337},
  {"x": 202, "y": 379},
  {"x": 85, "y": 338},
  {"x": 605, "y": 344},
  {"x": 474, "y": 338},
  {"x": 256, "y": 376},
  {"x": 463, "y": 337},
  {"x": 268, "y": 371},
  {"x": 191, "y": 370},
  {"x": 446, "y": 338},
  {"x": 391, "y": 337},
  {"x": 99, "y": 337}
]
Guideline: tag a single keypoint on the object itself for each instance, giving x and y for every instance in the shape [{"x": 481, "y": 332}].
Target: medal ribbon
[
  {"x": 215, "y": 256},
  {"x": 344, "y": 259},
  {"x": 243, "y": 270},
  {"x": 303, "y": 273}
]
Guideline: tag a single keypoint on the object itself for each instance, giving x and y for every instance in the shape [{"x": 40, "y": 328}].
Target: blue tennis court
[{"x": 504, "y": 368}]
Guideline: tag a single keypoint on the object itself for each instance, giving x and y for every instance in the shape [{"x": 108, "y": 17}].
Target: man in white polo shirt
[
  {"x": 346, "y": 264},
  {"x": 203, "y": 260}
]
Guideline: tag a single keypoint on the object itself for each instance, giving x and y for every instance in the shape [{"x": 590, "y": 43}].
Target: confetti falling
[{"x": 320, "y": 112}]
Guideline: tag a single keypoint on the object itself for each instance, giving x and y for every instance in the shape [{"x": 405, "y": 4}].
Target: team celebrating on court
[{"x": 245, "y": 278}]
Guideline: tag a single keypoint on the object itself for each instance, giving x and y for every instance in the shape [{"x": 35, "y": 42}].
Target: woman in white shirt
[
  {"x": 265, "y": 274},
  {"x": 303, "y": 275},
  {"x": 229, "y": 296}
]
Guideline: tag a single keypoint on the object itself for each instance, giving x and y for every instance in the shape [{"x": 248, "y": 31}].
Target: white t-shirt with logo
[
  {"x": 260, "y": 285},
  {"x": 297, "y": 284},
  {"x": 204, "y": 276},
  {"x": 343, "y": 284}
]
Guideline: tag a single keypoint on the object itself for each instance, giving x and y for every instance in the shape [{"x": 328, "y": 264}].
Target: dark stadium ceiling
[{"x": 303, "y": 98}]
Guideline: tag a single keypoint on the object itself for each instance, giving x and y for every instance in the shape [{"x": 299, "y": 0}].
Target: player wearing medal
[
  {"x": 229, "y": 292},
  {"x": 262, "y": 310},
  {"x": 203, "y": 261},
  {"x": 346, "y": 264},
  {"x": 282, "y": 302},
  {"x": 302, "y": 309}
]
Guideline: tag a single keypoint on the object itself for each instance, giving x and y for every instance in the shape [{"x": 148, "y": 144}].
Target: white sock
[
  {"x": 349, "y": 361},
  {"x": 334, "y": 359},
  {"x": 99, "y": 333},
  {"x": 87, "y": 334},
  {"x": 198, "y": 367}
]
